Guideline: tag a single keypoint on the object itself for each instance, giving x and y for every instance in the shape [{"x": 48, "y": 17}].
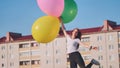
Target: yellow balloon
[{"x": 45, "y": 29}]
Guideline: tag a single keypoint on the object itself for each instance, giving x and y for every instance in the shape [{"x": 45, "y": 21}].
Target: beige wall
[
  {"x": 13, "y": 55},
  {"x": 109, "y": 49},
  {"x": 112, "y": 52},
  {"x": 53, "y": 54},
  {"x": 99, "y": 40},
  {"x": 3, "y": 55}
]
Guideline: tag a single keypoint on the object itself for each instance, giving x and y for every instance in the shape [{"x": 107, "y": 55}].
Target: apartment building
[{"x": 17, "y": 51}]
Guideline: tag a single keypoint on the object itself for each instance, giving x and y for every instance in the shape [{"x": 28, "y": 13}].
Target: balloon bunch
[{"x": 46, "y": 28}]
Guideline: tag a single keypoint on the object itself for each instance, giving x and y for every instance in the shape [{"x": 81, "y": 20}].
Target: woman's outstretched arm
[
  {"x": 89, "y": 47},
  {"x": 63, "y": 29}
]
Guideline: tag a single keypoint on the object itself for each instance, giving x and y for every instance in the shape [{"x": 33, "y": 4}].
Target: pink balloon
[{"x": 51, "y": 7}]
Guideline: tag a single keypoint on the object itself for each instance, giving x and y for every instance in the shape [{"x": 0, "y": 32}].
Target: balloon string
[{"x": 61, "y": 22}]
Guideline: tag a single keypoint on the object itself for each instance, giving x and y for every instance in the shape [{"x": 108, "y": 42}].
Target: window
[
  {"x": 81, "y": 48},
  {"x": 110, "y": 37},
  {"x": 99, "y": 38},
  {"x": 3, "y": 56},
  {"x": 25, "y": 45},
  {"x": 47, "y": 61},
  {"x": 111, "y": 57},
  {"x": 12, "y": 56},
  {"x": 55, "y": 42},
  {"x": 3, "y": 48},
  {"x": 111, "y": 66},
  {"x": 47, "y": 53},
  {"x": 34, "y": 44},
  {"x": 35, "y": 61},
  {"x": 85, "y": 39},
  {"x": 24, "y": 62},
  {"x": 99, "y": 48},
  {"x": 35, "y": 53},
  {"x": 11, "y": 64},
  {"x": 57, "y": 52},
  {"x": 11, "y": 47},
  {"x": 21, "y": 63},
  {"x": 111, "y": 47},
  {"x": 87, "y": 57},
  {"x": 58, "y": 61},
  {"x": 101, "y": 66},
  {"x": 24, "y": 54},
  {"x": 119, "y": 35},
  {"x": 3, "y": 65},
  {"x": 100, "y": 57}
]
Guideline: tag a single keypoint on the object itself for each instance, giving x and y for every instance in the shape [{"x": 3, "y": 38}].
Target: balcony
[
  {"x": 24, "y": 49},
  {"x": 35, "y": 57},
  {"x": 30, "y": 66},
  {"x": 25, "y": 66},
  {"x": 25, "y": 58},
  {"x": 35, "y": 66},
  {"x": 34, "y": 46}
]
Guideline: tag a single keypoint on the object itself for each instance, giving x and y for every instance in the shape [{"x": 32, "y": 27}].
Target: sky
[{"x": 19, "y": 15}]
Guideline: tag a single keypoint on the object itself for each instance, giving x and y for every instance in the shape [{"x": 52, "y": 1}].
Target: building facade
[{"x": 17, "y": 51}]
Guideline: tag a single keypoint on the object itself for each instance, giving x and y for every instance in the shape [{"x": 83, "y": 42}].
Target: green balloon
[{"x": 69, "y": 12}]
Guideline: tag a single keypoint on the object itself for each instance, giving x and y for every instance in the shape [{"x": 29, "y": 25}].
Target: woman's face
[{"x": 74, "y": 33}]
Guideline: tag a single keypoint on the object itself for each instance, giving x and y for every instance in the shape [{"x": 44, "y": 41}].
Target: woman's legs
[
  {"x": 93, "y": 61},
  {"x": 73, "y": 64},
  {"x": 80, "y": 60},
  {"x": 76, "y": 58},
  {"x": 89, "y": 65}
]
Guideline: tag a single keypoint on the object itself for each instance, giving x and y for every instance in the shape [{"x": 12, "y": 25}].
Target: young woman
[{"x": 73, "y": 43}]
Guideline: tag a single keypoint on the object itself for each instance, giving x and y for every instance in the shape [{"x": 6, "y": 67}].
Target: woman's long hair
[{"x": 79, "y": 34}]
